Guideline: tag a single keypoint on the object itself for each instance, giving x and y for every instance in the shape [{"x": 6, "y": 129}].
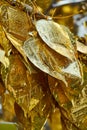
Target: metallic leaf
[
  {"x": 16, "y": 43},
  {"x": 81, "y": 47},
  {"x": 55, "y": 37},
  {"x": 3, "y": 59},
  {"x": 4, "y": 42},
  {"x": 25, "y": 90},
  {"x": 8, "y": 102},
  {"x": 15, "y": 21},
  {"x": 30, "y": 91},
  {"x": 55, "y": 120},
  {"x": 59, "y": 91},
  {"x": 79, "y": 109},
  {"x": 37, "y": 116},
  {"x": 49, "y": 61},
  {"x": 17, "y": 83}
]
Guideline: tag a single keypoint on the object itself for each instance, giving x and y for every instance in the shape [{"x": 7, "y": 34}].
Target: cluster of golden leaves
[{"x": 43, "y": 71}]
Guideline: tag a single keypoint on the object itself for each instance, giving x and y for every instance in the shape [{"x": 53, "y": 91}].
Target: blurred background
[{"x": 71, "y": 13}]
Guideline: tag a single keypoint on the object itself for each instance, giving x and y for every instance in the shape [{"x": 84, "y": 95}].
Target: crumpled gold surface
[
  {"x": 42, "y": 76},
  {"x": 15, "y": 21},
  {"x": 43, "y": 57}
]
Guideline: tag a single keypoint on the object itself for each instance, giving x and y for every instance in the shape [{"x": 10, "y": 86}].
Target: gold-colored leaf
[
  {"x": 43, "y": 57},
  {"x": 47, "y": 76},
  {"x": 16, "y": 43},
  {"x": 59, "y": 93},
  {"x": 79, "y": 108},
  {"x": 49, "y": 61},
  {"x": 17, "y": 83},
  {"x": 81, "y": 47},
  {"x": 37, "y": 116},
  {"x": 55, "y": 37},
  {"x": 15, "y": 21},
  {"x": 8, "y": 102},
  {"x": 3, "y": 59},
  {"x": 55, "y": 120},
  {"x": 4, "y": 42},
  {"x": 30, "y": 93},
  {"x": 40, "y": 113}
]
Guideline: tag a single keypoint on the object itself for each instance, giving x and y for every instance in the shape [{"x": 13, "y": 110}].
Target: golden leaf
[
  {"x": 55, "y": 37},
  {"x": 18, "y": 26},
  {"x": 16, "y": 43},
  {"x": 51, "y": 79},
  {"x": 3, "y": 59},
  {"x": 8, "y": 107},
  {"x": 59, "y": 93},
  {"x": 81, "y": 47},
  {"x": 42, "y": 57},
  {"x": 49, "y": 61},
  {"x": 4, "y": 42},
  {"x": 29, "y": 91},
  {"x": 55, "y": 120},
  {"x": 37, "y": 116}
]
